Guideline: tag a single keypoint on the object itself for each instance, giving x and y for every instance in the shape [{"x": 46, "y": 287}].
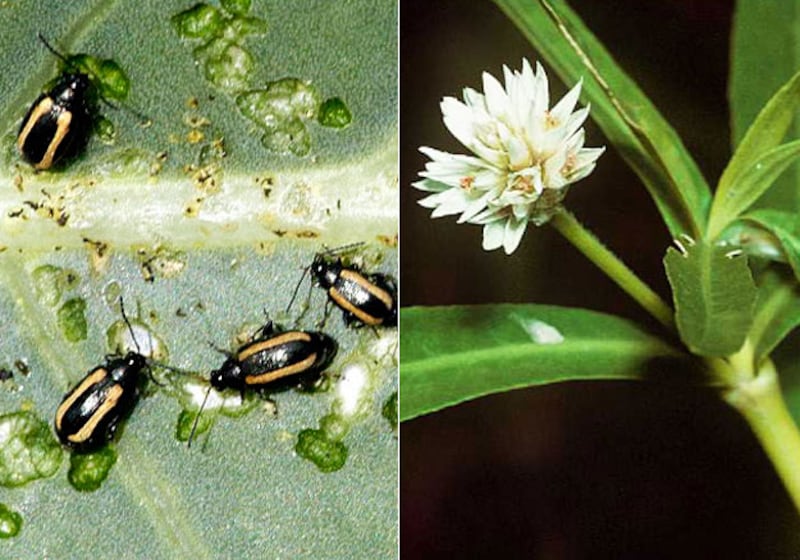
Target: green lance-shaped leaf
[
  {"x": 784, "y": 228},
  {"x": 714, "y": 295},
  {"x": 736, "y": 195},
  {"x": 763, "y": 58},
  {"x": 457, "y": 353},
  {"x": 777, "y": 310},
  {"x": 630, "y": 121}
]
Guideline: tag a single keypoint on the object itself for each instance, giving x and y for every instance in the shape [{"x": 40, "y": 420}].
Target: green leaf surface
[
  {"x": 628, "y": 118},
  {"x": 785, "y": 228},
  {"x": 751, "y": 182},
  {"x": 202, "y": 229},
  {"x": 714, "y": 295},
  {"x": 788, "y": 366},
  {"x": 777, "y": 311},
  {"x": 765, "y": 54},
  {"x": 457, "y": 353}
]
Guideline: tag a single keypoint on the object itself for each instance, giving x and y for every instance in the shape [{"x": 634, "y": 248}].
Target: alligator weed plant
[{"x": 733, "y": 267}]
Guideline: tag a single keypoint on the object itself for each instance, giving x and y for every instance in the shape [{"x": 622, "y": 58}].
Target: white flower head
[{"x": 525, "y": 156}]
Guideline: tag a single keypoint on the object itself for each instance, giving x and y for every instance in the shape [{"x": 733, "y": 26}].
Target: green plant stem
[
  {"x": 614, "y": 268},
  {"x": 760, "y": 402}
]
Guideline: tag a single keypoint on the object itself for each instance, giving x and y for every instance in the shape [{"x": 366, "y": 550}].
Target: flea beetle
[
  {"x": 275, "y": 360},
  {"x": 365, "y": 299},
  {"x": 90, "y": 413},
  {"x": 59, "y": 122}
]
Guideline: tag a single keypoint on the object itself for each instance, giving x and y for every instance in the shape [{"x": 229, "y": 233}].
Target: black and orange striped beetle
[
  {"x": 276, "y": 360},
  {"x": 90, "y": 413},
  {"x": 60, "y": 121},
  {"x": 273, "y": 361},
  {"x": 365, "y": 299}
]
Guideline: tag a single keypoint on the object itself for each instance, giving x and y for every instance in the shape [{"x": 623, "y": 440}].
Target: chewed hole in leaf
[
  {"x": 352, "y": 389},
  {"x": 138, "y": 338},
  {"x": 28, "y": 449}
]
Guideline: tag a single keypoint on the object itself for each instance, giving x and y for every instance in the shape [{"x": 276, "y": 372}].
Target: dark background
[{"x": 581, "y": 470}]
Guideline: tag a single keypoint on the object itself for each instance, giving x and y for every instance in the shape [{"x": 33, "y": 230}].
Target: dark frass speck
[
  {"x": 10, "y": 522},
  {"x": 334, "y": 113},
  {"x": 28, "y": 450},
  {"x": 87, "y": 471},
  {"x": 72, "y": 320},
  {"x": 315, "y": 446}
]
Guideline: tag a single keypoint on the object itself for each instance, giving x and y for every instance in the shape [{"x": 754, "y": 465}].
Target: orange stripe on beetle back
[
  {"x": 376, "y": 291},
  {"x": 62, "y": 128},
  {"x": 44, "y": 107},
  {"x": 110, "y": 400},
  {"x": 260, "y": 346},
  {"x": 274, "y": 375},
  {"x": 347, "y": 306},
  {"x": 92, "y": 378}
]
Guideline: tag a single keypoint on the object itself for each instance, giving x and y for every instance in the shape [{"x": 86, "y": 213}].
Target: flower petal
[
  {"x": 459, "y": 120},
  {"x": 496, "y": 98},
  {"x": 474, "y": 99},
  {"x": 518, "y": 155},
  {"x": 564, "y": 107},
  {"x": 541, "y": 92},
  {"x": 493, "y": 234},
  {"x": 575, "y": 120},
  {"x": 430, "y": 185},
  {"x": 487, "y": 216},
  {"x": 512, "y": 234},
  {"x": 587, "y": 156},
  {"x": 446, "y": 203},
  {"x": 474, "y": 208},
  {"x": 469, "y": 127}
]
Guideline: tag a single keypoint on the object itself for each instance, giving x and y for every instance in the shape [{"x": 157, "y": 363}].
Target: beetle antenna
[
  {"x": 197, "y": 418},
  {"x": 306, "y": 270},
  {"x": 326, "y": 314},
  {"x": 145, "y": 120},
  {"x": 150, "y": 361},
  {"x": 222, "y": 351},
  {"x": 51, "y": 49},
  {"x": 342, "y": 248},
  {"x": 130, "y": 327},
  {"x": 269, "y": 327}
]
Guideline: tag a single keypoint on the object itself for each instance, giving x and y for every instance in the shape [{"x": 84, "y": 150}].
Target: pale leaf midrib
[{"x": 515, "y": 352}]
